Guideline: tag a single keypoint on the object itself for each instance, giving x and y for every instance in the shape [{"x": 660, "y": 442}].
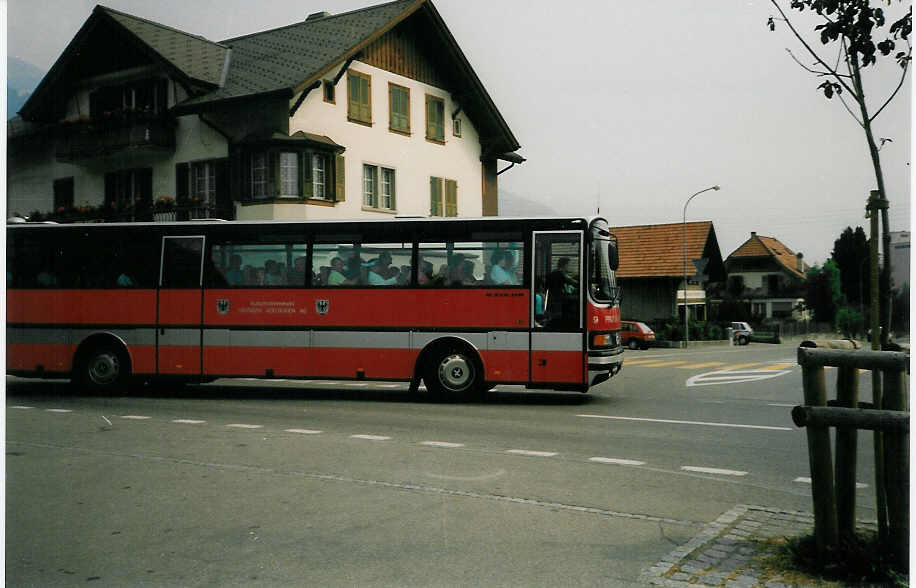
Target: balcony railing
[
  {"x": 86, "y": 139},
  {"x": 104, "y": 214}
]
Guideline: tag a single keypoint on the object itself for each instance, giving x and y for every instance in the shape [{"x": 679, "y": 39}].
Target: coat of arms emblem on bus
[
  {"x": 222, "y": 306},
  {"x": 322, "y": 305}
]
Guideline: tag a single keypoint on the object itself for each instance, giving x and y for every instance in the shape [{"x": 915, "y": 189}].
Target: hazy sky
[{"x": 631, "y": 105}]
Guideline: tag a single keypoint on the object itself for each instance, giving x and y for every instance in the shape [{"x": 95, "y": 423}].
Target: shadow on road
[{"x": 290, "y": 390}]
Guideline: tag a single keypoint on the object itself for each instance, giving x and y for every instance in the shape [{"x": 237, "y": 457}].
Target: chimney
[
  {"x": 317, "y": 15},
  {"x": 801, "y": 264}
]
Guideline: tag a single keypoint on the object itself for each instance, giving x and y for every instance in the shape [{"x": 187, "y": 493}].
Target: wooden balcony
[{"x": 83, "y": 140}]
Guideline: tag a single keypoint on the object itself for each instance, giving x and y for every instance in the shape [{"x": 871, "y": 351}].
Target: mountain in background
[
  {"x": 511, "y": 204},
  {"x": 21, "y": 80}
]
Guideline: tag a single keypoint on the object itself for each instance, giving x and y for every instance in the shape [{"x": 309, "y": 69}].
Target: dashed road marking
[
  {"x": 717, "y": 471},
  {"x": 244, "y": 426},
  {"x": 675, "y": 422},
  {"x": 532, "y": 453},
  {"x": 370, "y": 437},
  {"x": 304, "y": 431},
  {"x": 58, "y": 410},
  {"x": 188, "y": 421},
  {"x": 445, "y": 444},
  {"x": 135, "y": 417},
  {"x": 859, "y": 485},
  {"x": 781, "y": 404},
  {"x": 23, "y": 407},
  {"x": 617, "y": 461},
  {"x": 778, "y": 366}
]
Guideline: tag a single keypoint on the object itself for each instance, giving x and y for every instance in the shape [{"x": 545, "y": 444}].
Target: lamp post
[{"x": 684, "y": 255}]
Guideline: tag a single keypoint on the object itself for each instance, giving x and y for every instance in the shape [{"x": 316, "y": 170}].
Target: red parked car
[{"x": 635, "y": 334}]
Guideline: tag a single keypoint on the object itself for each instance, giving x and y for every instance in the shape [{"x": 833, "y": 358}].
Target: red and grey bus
[{"x": 460, "y": 304}]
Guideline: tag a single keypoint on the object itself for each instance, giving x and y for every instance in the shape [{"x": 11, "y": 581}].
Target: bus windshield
[{"x": 602, "y": 279}]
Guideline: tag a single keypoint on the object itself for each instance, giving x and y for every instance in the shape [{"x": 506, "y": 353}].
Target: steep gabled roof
[
  {"x": 289, "y": 57},
  {"x": 657, "y": 250},
  {"x": 190, "y": 58},
  {"x": 760, "y": 247},
  {"x": 196, "y": 57}
]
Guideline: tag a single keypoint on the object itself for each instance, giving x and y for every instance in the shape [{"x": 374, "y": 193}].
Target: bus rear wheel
[
  {"x": 454, "y": 372},
  {"x": 103, "y": 368}
]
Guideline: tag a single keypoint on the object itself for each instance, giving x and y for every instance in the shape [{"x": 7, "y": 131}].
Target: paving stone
[
  {"x": 772, "y": 584},
  {"x": 680, "y": 576}
]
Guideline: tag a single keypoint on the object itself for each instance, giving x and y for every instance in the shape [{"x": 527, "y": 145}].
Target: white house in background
[
  {"x": 769, "y": 275},
  {"x": 900, "y": 259},
  {"x": 365, "y": 114}
]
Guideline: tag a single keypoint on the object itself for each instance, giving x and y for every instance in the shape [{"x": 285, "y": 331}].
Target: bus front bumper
[{"x": 604, "y": 364}]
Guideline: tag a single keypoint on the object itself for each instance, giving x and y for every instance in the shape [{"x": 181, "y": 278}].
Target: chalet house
[
  {"x": 369, "y": 113},
  {"x": 769, "y": 276},
  {"x": 651, "y": 273}
]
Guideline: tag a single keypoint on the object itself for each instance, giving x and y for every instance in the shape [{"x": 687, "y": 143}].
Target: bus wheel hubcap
[
  {"x": 104, "y": 368},
  {"x": 455, "y": 372}
]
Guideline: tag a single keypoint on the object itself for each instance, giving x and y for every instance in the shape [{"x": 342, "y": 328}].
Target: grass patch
[{"x": 859, "y": 560}]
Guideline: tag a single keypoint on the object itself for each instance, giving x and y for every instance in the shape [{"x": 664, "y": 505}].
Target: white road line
[
  {"x": 388, "y": 385},
  {"x": 304, "y": 431},
  {"x": 188, "y": 422},
  {"x": 718, "y": 471},
  {"x": 673, "y": 422},
  {"x": 244, "y": 426},
  {"x": 23, "y": 407},
  {"x": 441, "y": 444},
  {"x": 532, "y": 453},
  {"x": 58, "y": 410},
  {"x": 617, "y": 461},
  {"x": 780, "y": 404},
  {"x": 359, "y": 384},
  {"x": 859, "y": 485},
  {"x": 370, "y": 437},
  {"x": 135, "y": 417}
]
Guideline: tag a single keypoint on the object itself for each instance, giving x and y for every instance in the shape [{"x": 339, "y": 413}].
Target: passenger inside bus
[
  {"x": 502, "y": 271},
  {"x": 381, "y": 273},
  {"x": 335, "y": 274},
  {"x": 234, "y": 275}
]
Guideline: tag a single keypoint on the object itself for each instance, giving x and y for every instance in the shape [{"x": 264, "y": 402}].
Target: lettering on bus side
[{"x": 505, "y": 294}]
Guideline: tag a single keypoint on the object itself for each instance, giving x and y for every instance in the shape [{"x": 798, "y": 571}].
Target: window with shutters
[
  {"x": 435, "y": 119},
  {"x": 399, "y": 109},
  {"x": 370, "y": 186},
  {"x": 387, "y": 191},
  {"x": 443, "y": 197},
  {"x": 284, "y": 173},
  {"x": 359, "y": 107},
  {"x": 378, "y": 188}
]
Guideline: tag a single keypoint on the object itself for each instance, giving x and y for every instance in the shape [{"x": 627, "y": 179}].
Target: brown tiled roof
[
  {"x": 657, "y": 250},
  {"x": 760, "y": 246}
]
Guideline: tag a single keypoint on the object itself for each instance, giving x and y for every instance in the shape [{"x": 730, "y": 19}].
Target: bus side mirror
[{"x": 613, "y": 257}]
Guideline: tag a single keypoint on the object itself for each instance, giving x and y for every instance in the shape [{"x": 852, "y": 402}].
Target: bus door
[
  {"x": 178, "y": 332},
  {"x": 557, "y": 339}
]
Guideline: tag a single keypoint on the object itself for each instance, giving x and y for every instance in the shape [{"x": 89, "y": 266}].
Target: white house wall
[
  {"x": 30, "y": 181},
  {"x": 413, "y": 158}
]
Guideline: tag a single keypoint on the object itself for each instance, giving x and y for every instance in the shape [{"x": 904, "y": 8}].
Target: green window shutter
[
  {"x": 366, "y": 99},
  {"x": 353, "y": 96},
  {"x": 222, "y": 184},
  {"x": 305, "y": 164},
  {"x": 273, "y": 174},
  {"x": 435, "y": 196},
  {"x": 451, "y": 198},
  {"x": 339, "y": 178}
]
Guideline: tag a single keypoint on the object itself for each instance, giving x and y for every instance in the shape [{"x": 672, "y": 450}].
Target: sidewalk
[{"x": 733, "y": 552}]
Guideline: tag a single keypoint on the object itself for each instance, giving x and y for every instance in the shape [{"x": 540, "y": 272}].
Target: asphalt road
[{"x": 359, "y": 484}]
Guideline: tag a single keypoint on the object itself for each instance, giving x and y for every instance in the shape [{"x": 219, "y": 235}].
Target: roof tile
[{"x": 657, "y": 250}]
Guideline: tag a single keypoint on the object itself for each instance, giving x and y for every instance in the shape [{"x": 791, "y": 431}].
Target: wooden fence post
[
  {"x": 897, "y": 470},
  {"x": 847, "y": 389},
  {"x": 820, "y": 461}
]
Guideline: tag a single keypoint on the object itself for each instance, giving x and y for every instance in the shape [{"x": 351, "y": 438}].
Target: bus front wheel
[
  {"x": 103, "y": 368},
  {"x": 453, "y": 372}
]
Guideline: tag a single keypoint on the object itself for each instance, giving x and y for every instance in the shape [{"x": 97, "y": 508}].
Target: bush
[{"x": 850, "y": 322}]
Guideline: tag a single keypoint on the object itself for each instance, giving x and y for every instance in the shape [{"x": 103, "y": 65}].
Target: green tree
[
  {"x": 854, "y": 29},
  {"x": 823, "y": 294},
  {"x": 850, "y": 253}
]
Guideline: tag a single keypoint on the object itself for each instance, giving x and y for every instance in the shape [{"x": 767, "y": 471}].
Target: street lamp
[{"x": 684, "y": 255}]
